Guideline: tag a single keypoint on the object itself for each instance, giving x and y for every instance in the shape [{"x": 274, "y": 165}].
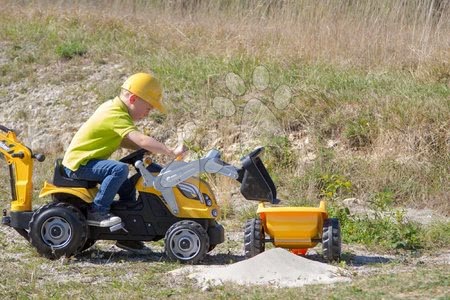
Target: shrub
[
  {"x": 361, "y": 131},
  {"x": 437, "y": 235},
  {"x": 384, "y": 228},
  {"x": 382, "y": 200},
  {"x": 279, "y": 153},
  {"x": 333, "y": 184},
  {"x": 69, "y": 50}
]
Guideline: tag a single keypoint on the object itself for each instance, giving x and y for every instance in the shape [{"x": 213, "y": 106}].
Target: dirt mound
[{"x": 277, "y": 267}]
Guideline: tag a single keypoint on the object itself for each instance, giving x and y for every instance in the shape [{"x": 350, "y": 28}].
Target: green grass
[
  {"x": 71, "y": 49},
  {"x": 436, "y": 235},
  {"x": 387, "y": 229}
]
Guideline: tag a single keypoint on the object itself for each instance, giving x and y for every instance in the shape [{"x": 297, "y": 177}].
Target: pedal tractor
[
  {"x": 173, "y": 204},
  {"x": 293, "y": 228}
]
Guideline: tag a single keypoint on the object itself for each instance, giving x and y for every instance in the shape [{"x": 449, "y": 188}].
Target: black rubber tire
[
  {"x": 253, "y": 238},
  {"x": 331, "y": 240},
  {"x": 88, "y": 244},
  {"x": 186, "y": 242},
  {"x": 211, "y": 248},
  {"x": 58, "y": 229}
]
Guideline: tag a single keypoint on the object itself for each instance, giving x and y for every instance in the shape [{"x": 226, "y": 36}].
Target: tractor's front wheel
[
  {"x": 253, "y": 238},
  {"x": 58, "y": 229},
  {"x": 331, "y": 240},
  {"x": 186, "y": 242}
]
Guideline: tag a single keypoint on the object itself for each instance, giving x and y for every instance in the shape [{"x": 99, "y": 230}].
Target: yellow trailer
[{"x": 293, "y": 228}]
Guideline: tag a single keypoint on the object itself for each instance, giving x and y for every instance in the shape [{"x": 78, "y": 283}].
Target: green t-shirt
[{"x": 101, "y": 135}]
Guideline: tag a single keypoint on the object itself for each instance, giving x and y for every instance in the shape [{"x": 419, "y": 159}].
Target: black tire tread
[
  {"x": 202, "y": 233},
  {"x": 57, "y": 254},
  {"x": 253, "y": 238},
  {"x": 331, "y": 240}
]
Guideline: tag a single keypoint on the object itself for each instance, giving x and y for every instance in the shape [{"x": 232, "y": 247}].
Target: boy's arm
[
  {"x": 128, "y": 144},
  {"x": 150, "y": 144}
]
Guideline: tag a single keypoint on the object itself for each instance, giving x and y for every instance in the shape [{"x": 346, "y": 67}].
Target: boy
[{"x": 112, "y": 126}]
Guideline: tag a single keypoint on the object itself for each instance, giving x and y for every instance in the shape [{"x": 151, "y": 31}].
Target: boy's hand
[{"x": 180, "y": 151}]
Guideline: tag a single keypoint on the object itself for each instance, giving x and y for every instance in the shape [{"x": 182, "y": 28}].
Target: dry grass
[
  {"x": 373, "y": 77},
  {"x": 405, "y": 34}
]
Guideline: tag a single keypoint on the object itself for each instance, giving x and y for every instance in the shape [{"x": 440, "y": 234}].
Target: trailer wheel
[
  {"x": 186, "y": 242},
  {"x": 58, "y": 229},
  {"x": 253, "y": 238},
  {"x": 331, "y": 240}
]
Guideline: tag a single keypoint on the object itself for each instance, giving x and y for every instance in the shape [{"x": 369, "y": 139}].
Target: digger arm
[{"x": 20, "y": 163}]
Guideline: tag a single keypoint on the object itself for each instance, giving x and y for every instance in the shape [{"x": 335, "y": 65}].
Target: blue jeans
[{"x": 113, "y": 176}]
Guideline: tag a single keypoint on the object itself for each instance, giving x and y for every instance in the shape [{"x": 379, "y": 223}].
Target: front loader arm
[{"x": 179, "y": 171}]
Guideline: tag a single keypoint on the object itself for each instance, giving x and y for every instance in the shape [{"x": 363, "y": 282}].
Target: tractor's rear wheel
[
  {"x": 331, "y": 240},
  {"x": 58, "y": 229},
  {"x": 253, "y": 238},
  {"x": 88, "y": 244}
]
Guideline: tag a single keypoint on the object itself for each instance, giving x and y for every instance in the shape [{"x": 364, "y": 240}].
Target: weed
[
  {"x": 383, "y": 200},
  {"x": 388, "y": 229},
  {"x": 248, "y": 212},
  {"x": 227, "y": 210},
  {"x": 331, "y": 185},
  {"x": 70, "y": 49},
  {"x": 436, "y": 235},
  {"x": 279, "y": 156},
  {"x": 361, "y": 132},
  {"x": 21, "y": 114},
  {"x": 381, "y": 89}
]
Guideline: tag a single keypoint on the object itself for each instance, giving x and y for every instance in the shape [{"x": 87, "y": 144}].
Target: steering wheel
[{"x": 134, "y": 157}]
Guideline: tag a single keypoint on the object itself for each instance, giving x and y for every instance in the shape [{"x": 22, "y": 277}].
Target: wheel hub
[
  {"x": 185, "y": 244},
  {"x": 56, "y": 232}
]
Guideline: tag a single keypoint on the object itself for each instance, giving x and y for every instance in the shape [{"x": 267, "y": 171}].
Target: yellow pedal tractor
[
  {"x": 293, "y": 228},
  {"x": 172, "y": 204}
]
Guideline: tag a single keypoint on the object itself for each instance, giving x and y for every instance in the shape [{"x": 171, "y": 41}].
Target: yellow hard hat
[{"x": 146, "y": 87}]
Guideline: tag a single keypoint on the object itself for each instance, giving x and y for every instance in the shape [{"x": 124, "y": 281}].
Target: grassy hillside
[
  {"x": 369, "y": 82},
  {"x": 350, "y": 98}
]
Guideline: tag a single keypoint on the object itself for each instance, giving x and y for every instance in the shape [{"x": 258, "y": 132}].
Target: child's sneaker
[{"x": 102, "y": 219}]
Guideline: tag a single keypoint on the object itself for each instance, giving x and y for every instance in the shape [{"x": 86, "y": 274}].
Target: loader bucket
[{"x": 256, "y": 183}]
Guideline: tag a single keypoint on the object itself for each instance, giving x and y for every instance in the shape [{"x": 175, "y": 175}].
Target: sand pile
[{"x": 276, "y": 267}]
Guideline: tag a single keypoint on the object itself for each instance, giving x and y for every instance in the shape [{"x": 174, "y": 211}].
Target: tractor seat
[{"x": 60, "y": 178}]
